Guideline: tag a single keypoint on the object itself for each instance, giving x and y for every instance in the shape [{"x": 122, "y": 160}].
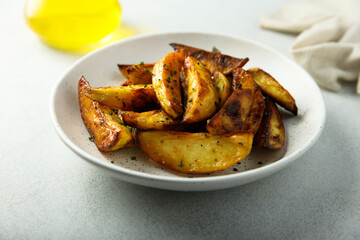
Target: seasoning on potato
[{"x": 193, "y": 111}]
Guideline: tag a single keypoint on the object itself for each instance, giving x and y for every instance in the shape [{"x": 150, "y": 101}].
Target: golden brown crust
[
  {"x": 271, "y": 133},
  {"x": 274, "y": 89},
  {"x": 212, "y": 60},
  {"x": 201, "y": 97},
  {"x": 137, "y": 73},
  {"x": 195, "y": 152},
  {"x": 107, "y": 133},
  {"x": 128, "y": 98},
  {"x": 166, "y": 82},
  {"x": 233, "y": 114},
  {"x": 151, "y": 120}
]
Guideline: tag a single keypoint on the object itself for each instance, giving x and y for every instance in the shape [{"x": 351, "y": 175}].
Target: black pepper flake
[
  {"x": 235, "y": 169},
  {"x": 133, "y": 158},
  {"x": 259, "y": 163},
  {"x": 112, "y": 161}
]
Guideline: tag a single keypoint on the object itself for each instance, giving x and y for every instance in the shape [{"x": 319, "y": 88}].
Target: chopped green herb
[
  {"x": 132, "y": 129},
  {"x": 171, "y": 88},
  {"x": 239, "y": 86},
  {"x": 112, "y": 161},
  {"x": 166, "y": 118},
  {"x": 91, "y": 139},
  {"x": 175, "y": 72},
  {"x": 164, "y": 65},
  {"x": 180, "y": 164},
  {"x": 190, "y": 100},
  {"x": 216, "y": 103},
  {"x": 218, "y": 88},
  {"x": 193, "y": 89},
  {"x": 116, "y": 111},
  {"x": 110, "y": 113},
  {"x": 147, "y": 70},
  {"x": 121, "y": 123},
  {"x": 145, "y": 86},
  {"x": 133, "y": 158},
  {"x": 141, "y": 63},
  {"x": 168, "y": 79},
  {"x": 198, "y": 63}
]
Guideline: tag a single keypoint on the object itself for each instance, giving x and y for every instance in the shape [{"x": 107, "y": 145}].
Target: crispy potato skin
[
  {"x": 128, "y": 98},
  {"x": 202, "y": 98},
  {"x": 212, "y": 60},
  {"x": 271, "y": 133},
  {"x": 253, "y": 120},
  {"x": 241, "y": 79},
  {"x": 195, "y": 152},
  {"x": 108, "y": 134},
  {"x": 233, "y": 114},
  {"x": 166, "y": 82},
  {"x": 273, "y": 88},
  {"x": 222, "y": 84},
  {"x": 151, "y": 120},
  {"x": 137, "y": 73}
]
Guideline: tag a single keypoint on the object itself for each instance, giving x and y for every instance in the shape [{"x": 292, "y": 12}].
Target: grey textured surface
[{"x": 47, "y": 192}]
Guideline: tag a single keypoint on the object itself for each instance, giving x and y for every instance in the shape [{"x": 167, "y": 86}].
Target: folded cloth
[{"x": 328, "y": 45}]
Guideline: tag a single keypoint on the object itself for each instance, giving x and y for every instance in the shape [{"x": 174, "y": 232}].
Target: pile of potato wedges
[{"x": 194, "y": 111}]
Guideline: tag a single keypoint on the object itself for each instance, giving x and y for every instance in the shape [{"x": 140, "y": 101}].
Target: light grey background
[{"x": 47, "y": 192}]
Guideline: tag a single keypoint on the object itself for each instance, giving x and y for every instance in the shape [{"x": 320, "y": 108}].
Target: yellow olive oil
[{"x": 72, "y": 24}]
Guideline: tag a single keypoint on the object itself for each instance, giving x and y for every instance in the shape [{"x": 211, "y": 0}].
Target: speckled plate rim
[{"x": 188, "y": 184}]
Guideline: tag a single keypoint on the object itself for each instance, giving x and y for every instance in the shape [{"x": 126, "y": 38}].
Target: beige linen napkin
[{"x": 328, "y": 45}]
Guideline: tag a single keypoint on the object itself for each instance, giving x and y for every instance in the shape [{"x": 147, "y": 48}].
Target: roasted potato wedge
[
  {"x": 128, "y": 98},
  {"x": 104, "y": 126},
  {"x": 212, "y": 60},
  {"x": 137, "y": 73},
  {"x": 195, "y": 152},
  {"x": 233, "y": 114},
  {"x": 151, "y": 120},
  {"x": 271, "y": 133},
  {"x": 253, "y": 120},
  {"x": 201, "y": 97},
  {"x": 241, "y": 79},
  {"x": 273, "y": 88},
  {"x": 166, "y": 82},
  {"x": 222, "y": 84}
]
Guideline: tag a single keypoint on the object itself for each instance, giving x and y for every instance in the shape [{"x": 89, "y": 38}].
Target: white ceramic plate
[{"x": 100, "y": 69}]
